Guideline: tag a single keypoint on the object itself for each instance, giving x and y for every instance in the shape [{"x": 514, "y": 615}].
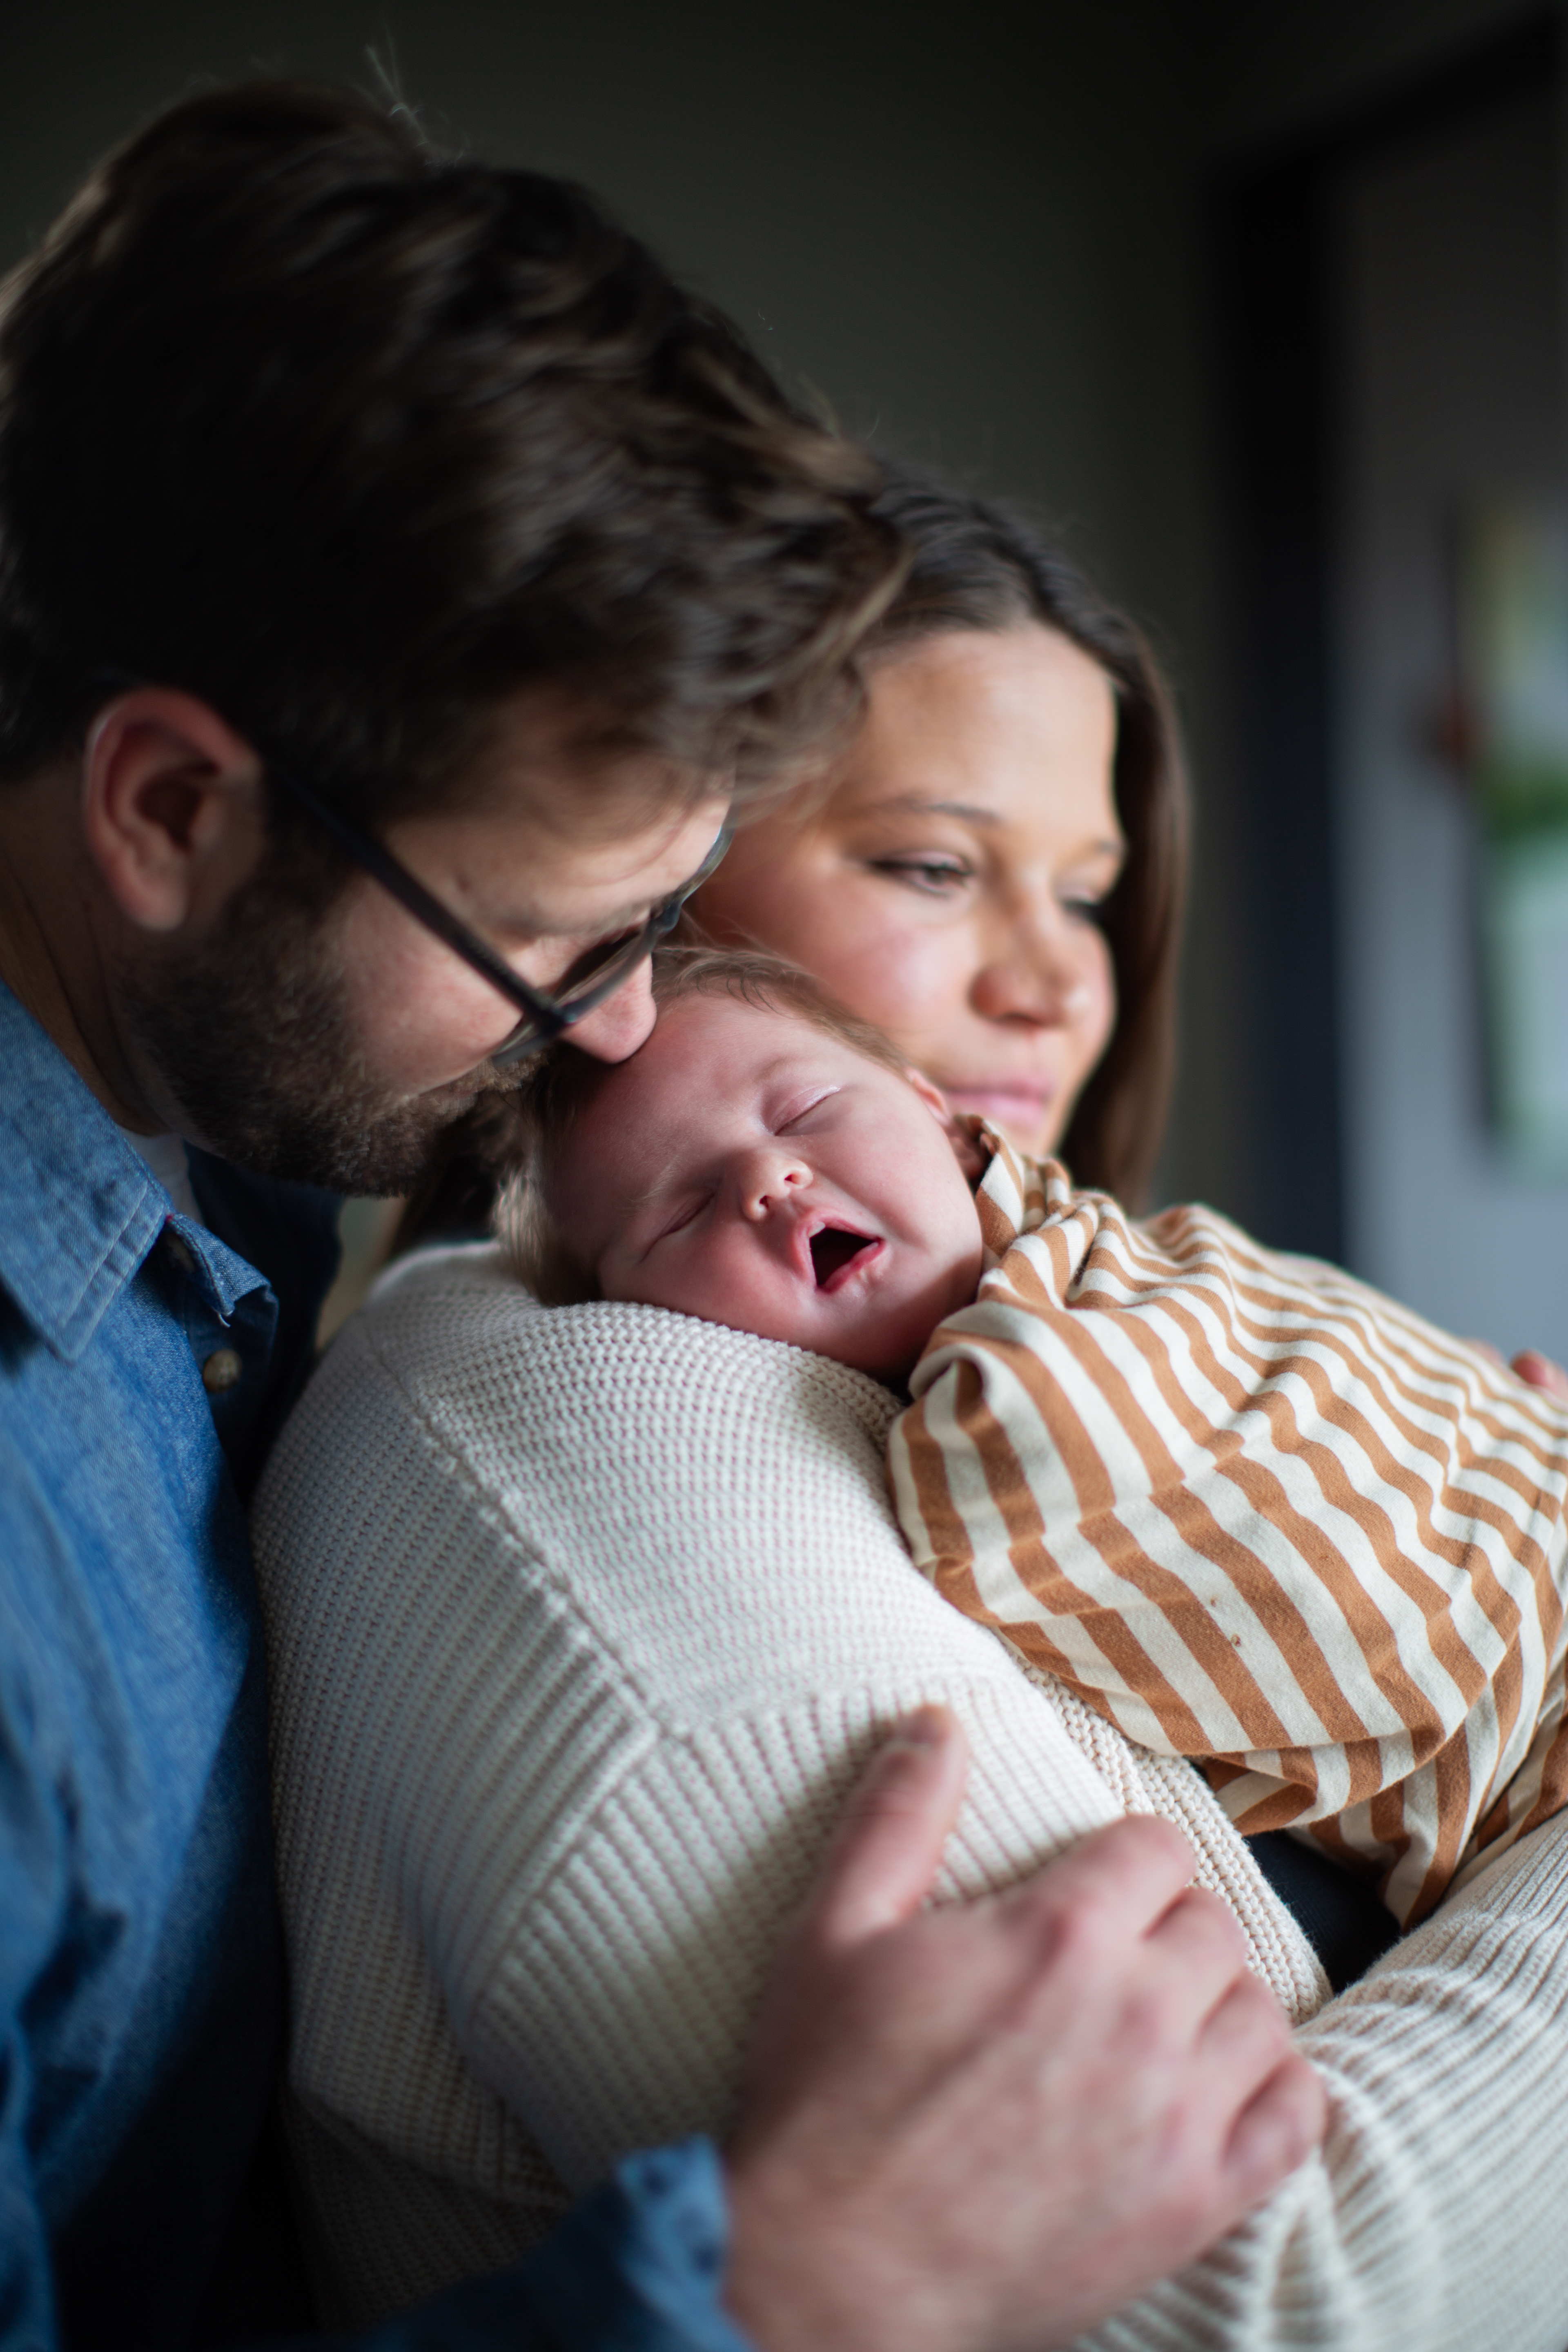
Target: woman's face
[{"x": 947, "y": 888}]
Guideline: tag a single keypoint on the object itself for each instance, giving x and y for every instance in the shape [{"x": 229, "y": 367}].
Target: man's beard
[{"x": 249, "y": 1030}]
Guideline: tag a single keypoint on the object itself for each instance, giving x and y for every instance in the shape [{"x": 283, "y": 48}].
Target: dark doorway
[{"x": 1389, "y": 307}]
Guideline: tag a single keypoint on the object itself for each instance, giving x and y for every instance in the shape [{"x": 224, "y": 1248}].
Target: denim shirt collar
[{"x": 78, "y": 1209}]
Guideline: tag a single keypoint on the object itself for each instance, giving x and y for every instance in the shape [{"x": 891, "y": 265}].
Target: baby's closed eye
[
  {"x": 798, "y": 1107},
  {"x": 679, "y": 1214}
]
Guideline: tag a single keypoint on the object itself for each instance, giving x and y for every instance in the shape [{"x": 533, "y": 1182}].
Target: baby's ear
[{"x": 966, "y": 1151}]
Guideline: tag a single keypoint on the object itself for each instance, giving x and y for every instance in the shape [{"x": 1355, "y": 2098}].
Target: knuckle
[
  {"x": 1077, "y": 1941},
  {"x": 1212, "y": 1933},
  {"x": 1186, "y": 2197},
  {"x": 1151, "y": 2024},
  {"x": 1306, "y": 2094},
  {"x": 1138, "y": 1863},
  {"x": 1279, "y": 2132},
  {"x": 1261, "y": 2010},
  {"x": 1249, "y": 2031},
  {"x": 1147, "y": 1833},
  {"x": 1143, "y": 1846},
  {"x": 1216, "y": 1917}
]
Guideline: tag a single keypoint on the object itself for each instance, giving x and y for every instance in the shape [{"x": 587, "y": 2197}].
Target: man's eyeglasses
[{"x": 546, "y": 1014}]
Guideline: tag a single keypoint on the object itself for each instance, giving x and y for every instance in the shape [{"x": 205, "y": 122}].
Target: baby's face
[{"x": 745, "y": 1166}]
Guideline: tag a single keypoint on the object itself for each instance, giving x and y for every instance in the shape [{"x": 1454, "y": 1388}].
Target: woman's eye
[{"x": 938, "y": 876}]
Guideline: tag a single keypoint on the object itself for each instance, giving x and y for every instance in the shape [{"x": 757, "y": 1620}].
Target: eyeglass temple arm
[{"x": 368, "y": 854}]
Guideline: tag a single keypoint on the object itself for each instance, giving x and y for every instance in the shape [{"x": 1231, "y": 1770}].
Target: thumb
[{"x": 884, "y": 1854}]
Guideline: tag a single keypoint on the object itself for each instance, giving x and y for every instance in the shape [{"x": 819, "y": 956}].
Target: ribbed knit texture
[{"x": 582, "y": 1624}]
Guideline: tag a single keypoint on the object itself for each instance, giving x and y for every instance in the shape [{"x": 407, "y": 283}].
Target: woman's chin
[{"x": 1027, "y": 1119}]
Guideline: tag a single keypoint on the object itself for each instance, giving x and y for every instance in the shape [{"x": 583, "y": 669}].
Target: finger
[
  {"x": 1114, "y": 1887},
  {"x": 879, "y": 1867},
  {"x": 1277, "y": 2131},
  {"x": 1244, "y": 2037},
  {"x": 1193, "y": 1966},
  {"x": 1486, "y": 1347},
  {"x": 1541, "y": 1373}
]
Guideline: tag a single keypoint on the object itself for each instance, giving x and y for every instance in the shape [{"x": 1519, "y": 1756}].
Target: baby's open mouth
[{"x": 833, "y": 1249}]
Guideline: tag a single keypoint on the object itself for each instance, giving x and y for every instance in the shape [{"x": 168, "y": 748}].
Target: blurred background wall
[{"x": 1138, "y": 263}]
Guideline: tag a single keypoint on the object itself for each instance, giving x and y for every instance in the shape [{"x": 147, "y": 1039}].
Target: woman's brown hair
[{"x": 975, "y": 564}]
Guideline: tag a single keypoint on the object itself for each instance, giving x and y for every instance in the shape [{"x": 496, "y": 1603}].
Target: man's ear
[
  {"x": 965, "y": 1150},
  {"x": 172, "y": 803}
]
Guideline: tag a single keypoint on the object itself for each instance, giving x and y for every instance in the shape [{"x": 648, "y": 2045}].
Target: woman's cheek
[
  {"x": 1101, "y": 1005},
  {"x": 910, "y": 983},
  {"x": 1092, "y": 1033},
  {"x": 855, "y": 932},
  {"x": 1099, "y": 1018}
]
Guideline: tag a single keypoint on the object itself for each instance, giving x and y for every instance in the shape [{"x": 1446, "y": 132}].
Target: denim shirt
[{"x": 141, "y": 1995}]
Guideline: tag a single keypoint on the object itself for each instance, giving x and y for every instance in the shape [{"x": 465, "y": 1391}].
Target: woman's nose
[
  {"x": 765, "y": 1177},
  {"x": 1037, "y": 971}
]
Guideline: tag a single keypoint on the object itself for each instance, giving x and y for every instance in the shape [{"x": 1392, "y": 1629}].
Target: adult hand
[
  {"x": 980, "y": 2128},
  {"x": 1536, "y": 1370}
]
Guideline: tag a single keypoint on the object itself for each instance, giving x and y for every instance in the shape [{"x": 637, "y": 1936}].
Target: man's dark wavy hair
[{"x": 353, "y": 440}]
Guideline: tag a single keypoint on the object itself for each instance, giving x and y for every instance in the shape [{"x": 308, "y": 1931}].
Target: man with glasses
[
  {"x": 401, "y": 585},
  {"x": 543, "y": 1014}
]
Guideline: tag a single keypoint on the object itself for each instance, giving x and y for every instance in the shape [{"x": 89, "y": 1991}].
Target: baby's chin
[
  {"x": 884, "y": 1337},
  {"x": 892, "y": 1363},
  {"x": 887, "y": 1350}
]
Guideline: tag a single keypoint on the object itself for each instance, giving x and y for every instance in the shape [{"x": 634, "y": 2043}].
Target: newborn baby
[{"x": 1248, "y": 1508}]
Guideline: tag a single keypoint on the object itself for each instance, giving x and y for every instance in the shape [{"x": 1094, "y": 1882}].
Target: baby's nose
[{"x": 767, "y": 1179}]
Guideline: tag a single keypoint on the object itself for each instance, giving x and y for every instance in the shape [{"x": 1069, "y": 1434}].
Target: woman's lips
[{"x": 1006, "y": 1102}]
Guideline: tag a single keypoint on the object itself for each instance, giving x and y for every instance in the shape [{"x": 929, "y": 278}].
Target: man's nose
[
  {"x": 619, "y": 1025},
  {"x": 765, "y": 1177}
]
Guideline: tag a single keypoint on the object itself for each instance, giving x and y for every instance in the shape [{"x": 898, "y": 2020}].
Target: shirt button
[{"x": 221, "y": 1370}]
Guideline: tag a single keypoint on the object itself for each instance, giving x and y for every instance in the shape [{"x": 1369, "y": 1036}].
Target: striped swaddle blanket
[{"x": 1256, "y": 1513}]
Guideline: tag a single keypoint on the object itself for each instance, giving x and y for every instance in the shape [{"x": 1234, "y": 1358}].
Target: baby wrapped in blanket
[{"x": 1248, "y": 1508}]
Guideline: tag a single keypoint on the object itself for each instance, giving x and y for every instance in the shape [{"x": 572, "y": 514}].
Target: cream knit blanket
[{"x": 581, "y": 1623}]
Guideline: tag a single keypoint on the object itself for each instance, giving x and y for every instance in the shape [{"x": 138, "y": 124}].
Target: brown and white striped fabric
[{"x": 1255, "y": 1513}]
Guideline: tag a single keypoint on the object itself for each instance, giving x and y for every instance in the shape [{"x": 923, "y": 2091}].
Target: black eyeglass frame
[{"x": 545, "y": 1016}]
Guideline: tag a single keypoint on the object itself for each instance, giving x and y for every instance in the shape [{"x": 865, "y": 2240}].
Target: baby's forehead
[
  {"x": 709, "y": 1054},
  {"x": 733, "y": 1041},
  {"x": 706, "y": 1052}
]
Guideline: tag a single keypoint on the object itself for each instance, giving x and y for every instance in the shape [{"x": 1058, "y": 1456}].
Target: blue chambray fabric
[
  {"x": 634, "y": 2267},
  {"x": 141, "y": 2000},
  {"x": 140, "y": 1978}
]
